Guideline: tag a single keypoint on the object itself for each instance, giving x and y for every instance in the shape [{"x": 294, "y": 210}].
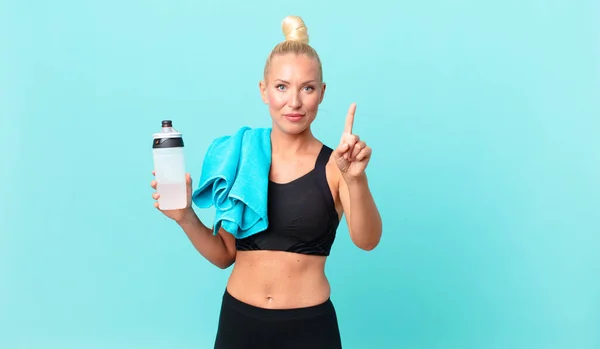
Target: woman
[{"x": 278, "y": 295}]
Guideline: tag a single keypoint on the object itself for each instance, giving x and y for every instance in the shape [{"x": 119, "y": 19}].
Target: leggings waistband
[{"x": 264, "y": 313}]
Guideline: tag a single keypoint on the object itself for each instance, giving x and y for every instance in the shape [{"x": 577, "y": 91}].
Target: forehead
[{"x": 290, "y": 67}]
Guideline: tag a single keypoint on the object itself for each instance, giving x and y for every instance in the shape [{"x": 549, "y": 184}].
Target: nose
[{"x": 295, "y": 101}]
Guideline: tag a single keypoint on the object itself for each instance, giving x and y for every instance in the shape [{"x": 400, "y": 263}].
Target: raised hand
[
  {"x": 352, "y": 155},
  {"x": 176, "y": 215}
]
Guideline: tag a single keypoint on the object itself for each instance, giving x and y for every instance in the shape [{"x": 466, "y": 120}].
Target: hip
[{"x": 242, "y": 325}]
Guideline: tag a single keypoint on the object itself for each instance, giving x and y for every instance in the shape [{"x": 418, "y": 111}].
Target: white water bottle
[{"x": 169, "y": 167}]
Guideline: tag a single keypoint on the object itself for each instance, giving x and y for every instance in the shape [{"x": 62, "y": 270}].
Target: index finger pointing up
[{"x": 350, "y": 118}]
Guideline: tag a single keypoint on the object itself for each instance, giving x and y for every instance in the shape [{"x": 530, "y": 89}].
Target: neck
[{"x": 283, "y": 143}]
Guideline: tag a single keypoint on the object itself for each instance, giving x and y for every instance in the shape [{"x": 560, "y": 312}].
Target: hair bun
[{"x": 294, "y": 29}]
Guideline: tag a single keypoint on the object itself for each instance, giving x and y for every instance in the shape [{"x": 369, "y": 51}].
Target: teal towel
[{"x": 235, "y": 179}]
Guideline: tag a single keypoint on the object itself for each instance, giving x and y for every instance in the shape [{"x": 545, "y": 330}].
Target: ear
[
  {"x": 323, "y": 88},
  {"x": 262, "y": 86}
]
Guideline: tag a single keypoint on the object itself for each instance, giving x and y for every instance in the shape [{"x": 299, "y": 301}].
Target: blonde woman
[{"x": 278, "y": 295}]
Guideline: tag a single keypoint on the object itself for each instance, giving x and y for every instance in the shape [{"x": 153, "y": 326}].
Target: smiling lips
[{"x": 294, "y": 117}]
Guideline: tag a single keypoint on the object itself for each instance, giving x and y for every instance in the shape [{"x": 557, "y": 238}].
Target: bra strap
[
  {"x": 321, "y": 178},
  {"x": 323, "y": 157}
]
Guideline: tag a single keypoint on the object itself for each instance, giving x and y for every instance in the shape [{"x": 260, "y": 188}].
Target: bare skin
[{"x": 283, "y": 280}]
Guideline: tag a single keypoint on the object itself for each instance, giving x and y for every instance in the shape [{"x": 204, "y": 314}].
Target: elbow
[
  {"x": 224, "y": 265},
  {"x": 368, "y": 244},
  {"x": 368, "y": 236},
  {"x": 371, "y": 247},
  {"x": 225, "y": 262},
  {"x": 367, "y": 240}
]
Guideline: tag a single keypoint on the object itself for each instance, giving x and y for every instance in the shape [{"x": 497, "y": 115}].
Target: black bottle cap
[{"x": 167, "y": 139}]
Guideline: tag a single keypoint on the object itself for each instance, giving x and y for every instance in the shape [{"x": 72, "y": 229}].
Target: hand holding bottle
[
  {"x": 171, "y": 182},
  {"x": 180, "y": 214}
]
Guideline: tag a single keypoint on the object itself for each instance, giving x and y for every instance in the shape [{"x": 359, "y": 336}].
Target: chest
[
  {"x": 299, "y": 209},
  {"x": 288, "y": 170}
]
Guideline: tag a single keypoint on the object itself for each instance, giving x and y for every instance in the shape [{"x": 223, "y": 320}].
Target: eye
[
  {"x": 309, "y": 88},
  {"x": 280, "y": 87}
]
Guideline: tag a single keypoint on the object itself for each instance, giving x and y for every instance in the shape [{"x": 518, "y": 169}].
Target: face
[{"x": 293, "y": 90}]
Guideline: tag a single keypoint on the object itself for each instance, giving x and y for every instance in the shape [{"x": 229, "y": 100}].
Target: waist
[{"x": 279, "y": 280}]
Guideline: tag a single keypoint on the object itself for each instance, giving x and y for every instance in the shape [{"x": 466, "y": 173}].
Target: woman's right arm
[{"x": 218, "y": 249}]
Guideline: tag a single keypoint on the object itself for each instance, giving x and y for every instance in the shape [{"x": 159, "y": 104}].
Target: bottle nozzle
[{"x": 167, "y": 123}]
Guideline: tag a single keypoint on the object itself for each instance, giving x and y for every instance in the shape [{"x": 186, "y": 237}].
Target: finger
[
  {"x": 155, "y": 195},
  {"x": 153, "y": 172},
  {"x": 351, "y": 139},
  {"x": 153, "y": 184},
  {"x": 358, "y": 147},
  {"x": 341, "y": 150},
  {"x": 342, "y": 161},
  {"x": 350, "y": 119},
  {"x": 188, "y": 180},
  {"x": 364, "y": 154},
  {"x": 345, "y": 147},
  {"x": 156, "y": 205}
]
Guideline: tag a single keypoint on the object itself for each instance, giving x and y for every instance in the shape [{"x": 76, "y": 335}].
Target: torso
[{"x": 281, "y": 279}]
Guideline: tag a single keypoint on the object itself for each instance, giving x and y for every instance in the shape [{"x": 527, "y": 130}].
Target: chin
[{"x": 293, "y": 128}]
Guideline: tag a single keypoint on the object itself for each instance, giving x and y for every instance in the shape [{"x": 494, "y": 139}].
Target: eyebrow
[{"x": 305, "y": 82}]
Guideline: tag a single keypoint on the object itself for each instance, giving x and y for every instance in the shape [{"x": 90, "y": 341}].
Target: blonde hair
[{"x": 296, "y": 42}]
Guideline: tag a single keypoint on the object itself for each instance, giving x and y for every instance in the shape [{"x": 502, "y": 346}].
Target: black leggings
[{"x": 243, "y": 326}]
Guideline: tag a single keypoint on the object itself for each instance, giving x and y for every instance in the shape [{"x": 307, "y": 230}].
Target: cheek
[
  {"x": 276, "y": 100},
  {"x": 312, "y": 101}
]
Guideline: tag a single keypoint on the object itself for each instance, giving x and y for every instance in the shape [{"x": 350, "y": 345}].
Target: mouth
[{"x": 294, "y": 117}]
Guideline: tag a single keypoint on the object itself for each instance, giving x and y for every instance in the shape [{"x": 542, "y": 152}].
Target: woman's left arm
[{"x": 362, "y": 215}]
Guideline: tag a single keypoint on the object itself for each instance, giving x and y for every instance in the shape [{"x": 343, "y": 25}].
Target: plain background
[{"x": 484, "y": 118}]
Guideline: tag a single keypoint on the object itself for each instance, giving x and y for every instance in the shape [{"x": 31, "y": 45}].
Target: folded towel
[{"x": 235, "y": 179}]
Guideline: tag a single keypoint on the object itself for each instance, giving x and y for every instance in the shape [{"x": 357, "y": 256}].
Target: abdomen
[{"x": 279, "y": 280}]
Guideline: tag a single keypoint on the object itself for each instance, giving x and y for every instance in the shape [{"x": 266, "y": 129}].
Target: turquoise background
[{"x": 484, "y": 117}]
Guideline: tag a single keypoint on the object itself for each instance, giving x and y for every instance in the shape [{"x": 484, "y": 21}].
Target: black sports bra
[{"x": 302, "y": 215}]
